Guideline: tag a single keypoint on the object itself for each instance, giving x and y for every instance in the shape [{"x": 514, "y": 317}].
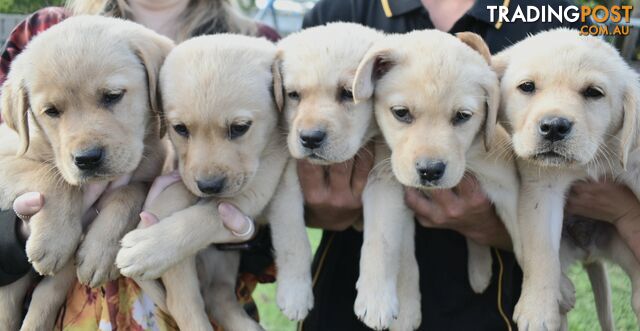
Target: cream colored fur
[
  {"x": 71, "y": 67},
  {"x": 433, "y": 77},
  {"x": 603, "y": 141},
  {"x": 210, "y": 85}
]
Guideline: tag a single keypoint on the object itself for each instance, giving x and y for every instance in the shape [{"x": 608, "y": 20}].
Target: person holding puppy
[
  {"x": 179, "y": 20},
  {"x": 333, "y": 195}
]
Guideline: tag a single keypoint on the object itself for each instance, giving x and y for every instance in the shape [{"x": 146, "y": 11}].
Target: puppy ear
[
  {"x": 630, "y": 122},
  {"x": 152, "y": 49},
  {"x": 15, "y": 107},
  {"x": 499, "y": 63},
  {"x": 475, "y": 42},
  {"x": 492, "y": 90},
  {"x": 278, "y": 88},
  {"x": 373, "y": 66}
]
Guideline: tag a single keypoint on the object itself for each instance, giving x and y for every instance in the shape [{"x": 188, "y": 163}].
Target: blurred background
[{"x": 286, "y": 17}]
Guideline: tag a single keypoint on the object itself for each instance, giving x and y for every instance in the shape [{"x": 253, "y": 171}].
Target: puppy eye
[
  {"x": 346, "y": 95},
  {"x": 181, "y": 129},
  {"x": 402, "y": 114},
  {"x": 238, "y": 129},
  {"x": 527, "y": 87},
  {"x": 461, "y": 116},
  {"x": 294, "y": 95},
  {"x": 52, "y": 111},
  {"x": 110, "y": 98},
  {"x": 592, "y": 92}
]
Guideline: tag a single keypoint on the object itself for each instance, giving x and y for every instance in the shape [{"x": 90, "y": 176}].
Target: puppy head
[
  {"x": 317, "y": 67},
  {"x": 220, "y": 112},
  {"x": 87, "y": 86},
  {"x": 435, "y": 96},
  {"x": 566, "y": 98}
]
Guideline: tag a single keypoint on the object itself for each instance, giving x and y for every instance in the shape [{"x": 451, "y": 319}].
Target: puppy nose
[
  {"x": 555, "y": 128},
  {"x": 430, "y": 170},
  {"x": 313, "y": 138},
  {"x": 89, "y": 159},
  {"x": 211, "y": 185}
]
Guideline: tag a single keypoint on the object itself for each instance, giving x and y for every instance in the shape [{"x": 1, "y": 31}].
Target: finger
[
  {"x": 468, "y": 186},
  {"x": 147, "y": 219},
  {"x": 340, "y": 176},
  {"x": 417, "y": 202},
  {"x": 361, "y": 169},
  {"x": 427, "y": 222},
  {"x": 311, "y": 176},
  {"x": 444, "y": 198},
  {"x": 119, "y": 182},
  {"x": 240, "y": 225},
  {"x": 160, "y": 184},
  {"x": 28, "y": 204},
  {"x": 580, "y": 187},
  {"x": 91, "y": 192}
]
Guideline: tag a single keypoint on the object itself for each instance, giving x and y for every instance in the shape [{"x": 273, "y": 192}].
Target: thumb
[
  {"x": 240, "y": 225},
  {"x": 29, "y": 203},
  {"x": 147, "y": 219}
]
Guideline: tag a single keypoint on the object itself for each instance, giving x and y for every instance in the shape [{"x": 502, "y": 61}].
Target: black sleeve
[
  {"x": 13, "y": 258},
  {"x": 326, "y": 11}
]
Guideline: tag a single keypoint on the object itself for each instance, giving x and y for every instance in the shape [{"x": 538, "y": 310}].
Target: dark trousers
[{"x": 448, "y": 303}]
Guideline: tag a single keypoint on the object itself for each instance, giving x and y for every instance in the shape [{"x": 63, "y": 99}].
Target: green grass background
[{"x": 582, "y": 317}]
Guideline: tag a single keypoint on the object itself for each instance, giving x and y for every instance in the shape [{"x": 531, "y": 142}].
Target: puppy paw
[
  {"x": 48, "y": 253},
  {"x": 377, "y": 307},
  {"x": 409, "y": 317},
  {"x": 144, "y": 254},
  {"x": 295, "y": 297},
  {"x": 568, "y": 295},
  {"x": 95, "y": 263},
  {"x": 537, "y": 311}
]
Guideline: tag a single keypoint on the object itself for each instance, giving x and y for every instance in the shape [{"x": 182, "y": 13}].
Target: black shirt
[
  {"x": 448, "y": 303},
  {"x": 402, "y": 16}
]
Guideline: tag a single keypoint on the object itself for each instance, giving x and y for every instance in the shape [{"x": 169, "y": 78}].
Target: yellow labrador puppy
[
  {"x": 571, "y": 105},
  {"x": 80, "y": 108},
  {"x": 217, "y": 93},
  {"x": 436, "y": 102},
  {"x": 317, "y": 66},
  {"x": 325, "y": 126}
]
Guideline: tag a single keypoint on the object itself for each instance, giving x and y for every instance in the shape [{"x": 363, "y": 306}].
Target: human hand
[
  {"x": 30, "y": 203},
  {"x": 465, "y": 209},
  {"x": 333, "y": 194},
  {"x": 610, "y": 202},
  {"x": 233, "y": 219}
]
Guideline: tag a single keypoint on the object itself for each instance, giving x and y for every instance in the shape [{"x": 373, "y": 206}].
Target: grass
[{"x": 582, "y": 317}]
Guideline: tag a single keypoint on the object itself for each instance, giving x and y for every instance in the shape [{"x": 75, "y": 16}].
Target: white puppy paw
[
  {"x": 95, "y": 263},
  {"x": 295, "y": 297},
  {"x": 409, "y": 317},
  {"x": 48, "y": 253},
  {"x": 377, "y": 307},
  {"x": 537, "y": 311},
  {"x": 146, "y": 254}
]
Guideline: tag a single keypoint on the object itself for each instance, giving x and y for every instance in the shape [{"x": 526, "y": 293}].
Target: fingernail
[
  {"x": 232, "y": 218},
  {"x": 33, "y": 200}
]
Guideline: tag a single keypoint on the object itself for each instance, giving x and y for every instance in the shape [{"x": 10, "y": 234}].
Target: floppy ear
[
  {"x": 630, "y": 122},
  {"x": 15, "y": 107},
  {"x": 476, "y": 43},
  {"x": 278, "y": 88},
  {"x": 490, "y": 86},
  {"x": 152, "y": 49},
  {"x": 373, "y": 66},
  {"x": 492, "y": 90},
  {"x": 500, "y": 62}
]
